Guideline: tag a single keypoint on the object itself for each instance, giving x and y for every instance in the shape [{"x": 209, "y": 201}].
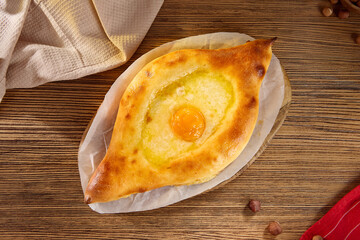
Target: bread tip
[
  {"x": 87, "y": 199},
  {"x": 272, "y": 40}
]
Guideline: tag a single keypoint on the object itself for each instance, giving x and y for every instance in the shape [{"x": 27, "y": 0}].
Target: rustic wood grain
[{"x": 310, "y": 164}]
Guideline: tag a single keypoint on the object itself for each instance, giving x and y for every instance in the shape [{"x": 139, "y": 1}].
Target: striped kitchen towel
[{"x": 342, "y": 222}]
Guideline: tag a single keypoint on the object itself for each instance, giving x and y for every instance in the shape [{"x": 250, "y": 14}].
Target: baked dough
[{"x": 183, "y": 118}]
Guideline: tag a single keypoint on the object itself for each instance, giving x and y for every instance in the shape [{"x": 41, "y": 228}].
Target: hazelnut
[
  {"x": 343, "y": 13},
  {"x": 357, "y": 39},
  {"x": 354, "y": 1},
  {"x": 327, "y": 11},
  {"x": 255, "y": 205},
  {"x": 317, "y": 237},
  {"x": 274, "y": 228},
  {"x": 358, "y": 4},
  {"x": 334, "y": 1}
]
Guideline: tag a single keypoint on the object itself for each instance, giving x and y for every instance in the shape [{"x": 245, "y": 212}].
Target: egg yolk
[{"x": 188, "y": 123}]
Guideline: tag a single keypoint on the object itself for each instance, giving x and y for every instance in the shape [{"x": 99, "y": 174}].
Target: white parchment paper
[{"x": 94, "y": 145}]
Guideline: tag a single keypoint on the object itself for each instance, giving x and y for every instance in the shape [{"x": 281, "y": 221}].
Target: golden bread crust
[{"x": 125, "y": 169}]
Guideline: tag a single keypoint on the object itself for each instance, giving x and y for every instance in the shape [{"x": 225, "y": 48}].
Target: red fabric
[{"x": 342, "y": 222}]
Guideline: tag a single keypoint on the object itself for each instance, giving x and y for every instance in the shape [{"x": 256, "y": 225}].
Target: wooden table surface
[{"x": 311, "y": 163}]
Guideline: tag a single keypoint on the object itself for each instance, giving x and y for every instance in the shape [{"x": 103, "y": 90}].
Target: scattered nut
[
  {"x": 358, "y": 4},
  {"x": 327, "y": 11},
  {"x": 274, "y": 228},
  {"x": 354, "y": 1},
  {"x": 357, "y": 39},
  {"x": 317, "y": 237},
  {"x": 334, "y": 1},
  {"x": 343, "y": 13},
  {"x": 255, "y": 205}
]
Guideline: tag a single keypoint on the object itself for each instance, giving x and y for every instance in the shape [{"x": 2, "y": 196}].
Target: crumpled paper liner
[{"x": 275, "y": 95}]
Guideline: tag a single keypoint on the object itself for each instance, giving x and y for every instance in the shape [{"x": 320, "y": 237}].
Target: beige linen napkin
[{"x": 50, "y": 40}]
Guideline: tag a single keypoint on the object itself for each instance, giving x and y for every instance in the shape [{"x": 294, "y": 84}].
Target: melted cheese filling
[{"x": 203, "y": 95}]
